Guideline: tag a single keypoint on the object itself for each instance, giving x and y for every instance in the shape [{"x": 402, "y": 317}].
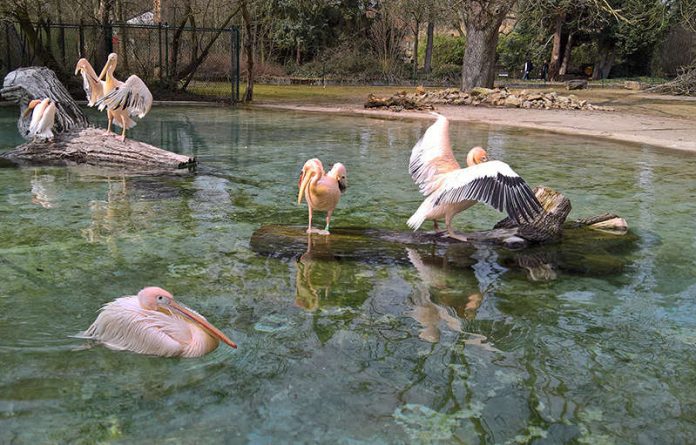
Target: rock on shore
[{"x": 496, "y": 97}]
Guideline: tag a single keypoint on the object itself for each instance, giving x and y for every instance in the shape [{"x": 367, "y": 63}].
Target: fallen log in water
[
  {"x": 91, "y": 146},
  {"x": 582, "y": 250},
  {"x": 74, "y": 142}
]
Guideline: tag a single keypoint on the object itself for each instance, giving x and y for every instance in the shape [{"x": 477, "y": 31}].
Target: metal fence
[{"x": 163, "y": 56}]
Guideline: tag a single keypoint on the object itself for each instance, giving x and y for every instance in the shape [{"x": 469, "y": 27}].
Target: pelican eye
[{"x": 160, "y": 298}]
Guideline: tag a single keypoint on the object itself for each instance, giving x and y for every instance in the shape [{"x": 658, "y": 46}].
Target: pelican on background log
[
  {"x": 322, "y": 191},
  {"x": 123, "y": 99},
  {"x": 42, "y": 118},
  {"x": 450, "y": 189},
  {"x": 153, "y": 323}
]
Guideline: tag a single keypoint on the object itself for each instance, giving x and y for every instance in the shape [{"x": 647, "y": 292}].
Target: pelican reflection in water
[{"x": 317, "y": 272}]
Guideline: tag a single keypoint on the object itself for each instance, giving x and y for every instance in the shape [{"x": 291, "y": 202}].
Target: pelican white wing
[
  {"x": 432, "y": 156},
  {"x": 93, "y": 87},
  {"x": 132, "y": 95},
  {"x": 493, "y": 183},
  {"x": 42, "y": 120}
]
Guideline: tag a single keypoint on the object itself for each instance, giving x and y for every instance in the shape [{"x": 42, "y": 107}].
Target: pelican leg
[
  {"x": 450, "y": 231},
  {"x": 328, "y": 220},
  {"x": 309, "y": 225},
  {"x": 109, "y": 118},
  {"x": 436, "y": 228},
  {"x": 123, "y": 133}
]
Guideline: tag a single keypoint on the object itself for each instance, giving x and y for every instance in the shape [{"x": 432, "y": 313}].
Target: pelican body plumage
[
  {"x": 153, "y": 323},
  {"x": 321, "y": 190},
  {"x": 43, "y": 116}
]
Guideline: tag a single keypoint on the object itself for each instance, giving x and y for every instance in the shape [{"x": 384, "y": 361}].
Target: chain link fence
[{"x": 203, "y": 62}]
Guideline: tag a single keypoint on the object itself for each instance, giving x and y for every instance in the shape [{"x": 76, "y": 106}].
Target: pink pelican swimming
[
  {"x": 153, "y": 323},
  {"x": 42, "y": 118},
  {"x": 450, "y": 189},
  {"x": 321, "y": 190}
]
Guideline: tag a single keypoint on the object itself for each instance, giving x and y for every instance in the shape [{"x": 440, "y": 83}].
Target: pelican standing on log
[
  {"x": 450, "y": 189},
  {"x": 123, "y": 99},
  {"x": 322, "y": 191},
  {"x": 42, "y": 118},
  {"x": 153, "y": 323}
]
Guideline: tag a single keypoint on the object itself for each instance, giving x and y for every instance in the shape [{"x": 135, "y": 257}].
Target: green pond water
[{"x": 374, "y": 343}]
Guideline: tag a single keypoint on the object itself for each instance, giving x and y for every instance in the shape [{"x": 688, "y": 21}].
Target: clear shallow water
[{"x": 453, "y": 347}]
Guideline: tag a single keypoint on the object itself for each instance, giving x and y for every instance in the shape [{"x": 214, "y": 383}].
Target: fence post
[{"x": 82, "y": 38}]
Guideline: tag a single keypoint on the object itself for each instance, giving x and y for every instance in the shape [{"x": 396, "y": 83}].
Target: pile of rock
[{"x": 499, "y": 97}]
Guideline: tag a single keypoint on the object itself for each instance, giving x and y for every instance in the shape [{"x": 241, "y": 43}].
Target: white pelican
[
  {"x": 153, "y": 323},
  {"x": 90, "y": 81},
  {"x": 123, "y": 99},
  {"x": 42, "y": 118},
  {"x": 450, "y": 189},
  {"x": 321, "y": 190}
]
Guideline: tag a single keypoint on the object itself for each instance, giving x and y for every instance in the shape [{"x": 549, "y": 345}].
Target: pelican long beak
[
  {"x": 304, "y": 183},
  {"x": 106, "y": 67},
  {"x": 202, "y": 322}
]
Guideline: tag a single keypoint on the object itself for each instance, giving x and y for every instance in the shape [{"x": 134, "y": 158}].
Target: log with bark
[
  {"x": 542, "y": 248},
  {"x": 75, "y": 142}
]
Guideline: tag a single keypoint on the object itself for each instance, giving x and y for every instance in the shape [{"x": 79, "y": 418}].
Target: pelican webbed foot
[
  {"x": 453, "y": 235},
  {"x": 312, "y": 230}
]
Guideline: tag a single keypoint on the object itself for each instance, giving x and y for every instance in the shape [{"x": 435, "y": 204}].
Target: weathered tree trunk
[
  {"x": 25, "y": 84},
  {"x": 555, "y": 64},
  {"x": 427, "y": 63},
  {"x": 73, "y": 142},
  {"x": 548, "y": 225},
  {"x": 91, "y": 146},
  {"x": 482, "y": 20}
]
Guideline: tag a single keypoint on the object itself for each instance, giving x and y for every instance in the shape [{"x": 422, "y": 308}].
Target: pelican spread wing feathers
[
  {"x": 131, "y": 95},
  {"x": 493, "y": 183},
  {"x": 432, "y": 156}
]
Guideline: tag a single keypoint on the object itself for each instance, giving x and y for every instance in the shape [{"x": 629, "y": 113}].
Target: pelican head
[
  {"x": 338, "y": 172},
  {"x": 81, "y": 65},
  {"x": 30, "y": 107},
  {"x": 476, "y": 155},
  {"x": 158, "y": 299},
  {"x": 110, "y": 65}
]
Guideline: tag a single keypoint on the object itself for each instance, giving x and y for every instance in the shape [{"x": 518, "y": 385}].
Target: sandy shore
[{"x": 642, "y": 129}]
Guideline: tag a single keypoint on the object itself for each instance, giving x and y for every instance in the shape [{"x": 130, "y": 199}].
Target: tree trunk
[
  {"x": 478, "y": 68},
  {"x": 482, "y": 21},
  {"x": 123, "y": 38},
  {"x": 249, "y": 49},
  {"x": 566, "y": 55},
  {"x": 427, "y": 64},
  {"x": 415, "y": 49},
  {"x": 157, "y": 10},
  {"x": 604, "y": 62},
  {"x": 555, "y": 63},
  {"x": 106, "y": 45}
]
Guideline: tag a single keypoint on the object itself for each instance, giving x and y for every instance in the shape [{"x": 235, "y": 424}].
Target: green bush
[{"x": 447, "y": 50}]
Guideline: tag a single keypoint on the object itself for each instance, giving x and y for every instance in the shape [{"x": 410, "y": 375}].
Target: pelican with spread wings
[
  {"x": 122, "y": 100},
  {"x": 450, "y": 189}
]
